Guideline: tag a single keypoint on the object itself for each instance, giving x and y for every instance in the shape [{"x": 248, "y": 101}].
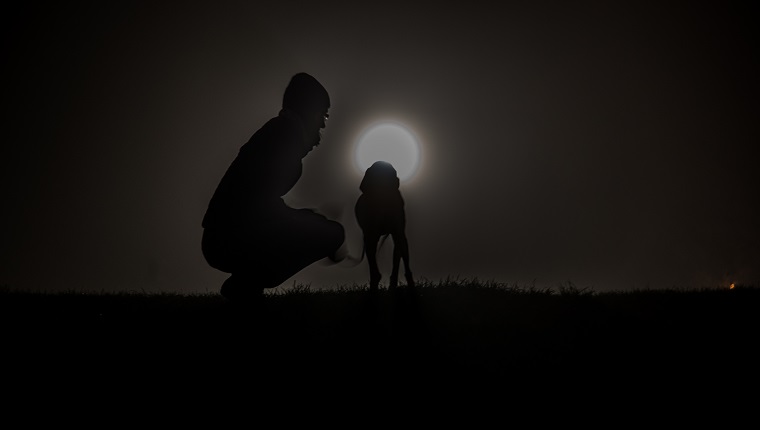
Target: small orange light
[{"x": 731, "y": 287}]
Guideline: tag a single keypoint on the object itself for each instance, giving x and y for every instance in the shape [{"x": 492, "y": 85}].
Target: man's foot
[{"x": 238, "y": 290}]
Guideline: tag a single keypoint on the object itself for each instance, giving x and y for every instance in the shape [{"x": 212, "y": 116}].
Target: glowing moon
[{"x": 391, "y": 142}]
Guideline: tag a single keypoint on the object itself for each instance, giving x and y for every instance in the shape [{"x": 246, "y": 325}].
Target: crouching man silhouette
[{"x": 248, "y": 229}]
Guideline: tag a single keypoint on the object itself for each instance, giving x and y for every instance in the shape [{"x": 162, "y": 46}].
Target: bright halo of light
[{"x": 391, "y": 142}]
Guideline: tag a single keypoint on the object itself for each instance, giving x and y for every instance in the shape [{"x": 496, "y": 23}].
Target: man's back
[{"x": 264, "y": 170}]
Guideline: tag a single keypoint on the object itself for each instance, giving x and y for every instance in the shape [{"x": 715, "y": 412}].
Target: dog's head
[{"x": 380, "y": 177}]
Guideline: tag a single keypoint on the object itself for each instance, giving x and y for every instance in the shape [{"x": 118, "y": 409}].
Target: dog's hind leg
[
  {"x": 401, "y": 252},
  {"x": 397, "y": 252},
  {"x": 409, "y": 278}
]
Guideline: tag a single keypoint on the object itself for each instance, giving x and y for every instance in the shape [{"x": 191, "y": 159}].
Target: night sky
[{"x": 613, "y": 145}]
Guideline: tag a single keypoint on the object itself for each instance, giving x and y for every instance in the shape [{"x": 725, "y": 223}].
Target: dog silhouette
[{"x": 380, "y": 212}]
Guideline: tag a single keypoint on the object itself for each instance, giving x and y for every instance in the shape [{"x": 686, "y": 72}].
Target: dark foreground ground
[{"x": 446, "y": 341}]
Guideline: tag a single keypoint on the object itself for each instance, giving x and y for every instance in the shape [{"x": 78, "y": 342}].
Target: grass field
[{"x": 453, "y": 336}]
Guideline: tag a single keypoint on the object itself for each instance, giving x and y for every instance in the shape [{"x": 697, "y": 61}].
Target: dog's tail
[{"x": 351, "y": 261}]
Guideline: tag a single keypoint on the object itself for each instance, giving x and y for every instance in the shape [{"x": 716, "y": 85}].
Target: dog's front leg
[{"x": 370, "y": 248}]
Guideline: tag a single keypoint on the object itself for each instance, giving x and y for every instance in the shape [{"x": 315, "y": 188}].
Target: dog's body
[{"x": 380, "y": 212}]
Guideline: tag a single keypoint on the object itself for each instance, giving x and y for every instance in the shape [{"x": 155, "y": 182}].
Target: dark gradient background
[{"x": 609, "y": 144}]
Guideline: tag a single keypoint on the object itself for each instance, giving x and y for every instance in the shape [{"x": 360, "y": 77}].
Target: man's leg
[
  {"x": 225, "y": 252},
  {"x": 280, "y": 251},
  {"x": 305, "y": 238}
]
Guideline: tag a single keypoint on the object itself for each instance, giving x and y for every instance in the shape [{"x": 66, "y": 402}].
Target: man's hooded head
[{"x": 305, "y": 95}]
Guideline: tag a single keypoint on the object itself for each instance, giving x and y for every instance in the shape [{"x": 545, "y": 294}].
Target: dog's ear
[{"x": 363, "y": 185}]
